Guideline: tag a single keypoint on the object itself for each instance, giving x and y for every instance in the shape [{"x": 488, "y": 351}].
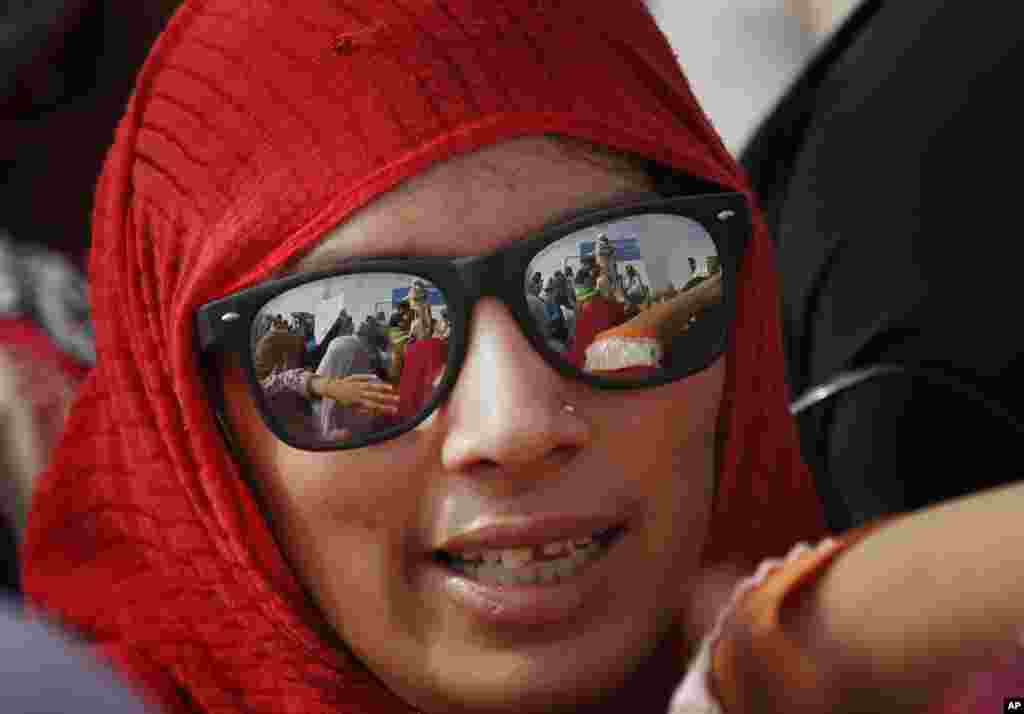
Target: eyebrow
[{"x": 334, "y": 257}]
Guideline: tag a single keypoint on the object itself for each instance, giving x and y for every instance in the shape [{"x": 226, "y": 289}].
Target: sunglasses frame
[{"x": 225, "y": 324}]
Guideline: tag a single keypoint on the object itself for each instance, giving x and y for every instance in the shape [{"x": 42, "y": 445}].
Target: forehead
[{"x": 479, "y": 202}]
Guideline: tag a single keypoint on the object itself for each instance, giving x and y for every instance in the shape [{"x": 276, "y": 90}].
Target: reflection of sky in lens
[
  {"x": 360, "y": 295},
  {"x": 665, "y": 242}
]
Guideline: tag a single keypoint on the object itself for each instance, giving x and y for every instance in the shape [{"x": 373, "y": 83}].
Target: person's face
[{"x": 362, "y": 528}]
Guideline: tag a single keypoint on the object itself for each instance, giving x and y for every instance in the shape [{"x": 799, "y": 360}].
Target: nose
[{"x": 508, "y": 406}]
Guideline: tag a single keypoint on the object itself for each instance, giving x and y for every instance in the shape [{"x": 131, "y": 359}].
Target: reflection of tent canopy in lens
[
  {"x": 434, "y": 296},
  {"x": 325, "y": 313}
]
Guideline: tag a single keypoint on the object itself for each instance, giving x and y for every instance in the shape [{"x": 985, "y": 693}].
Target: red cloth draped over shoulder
[{"x": 253, "y": 130}]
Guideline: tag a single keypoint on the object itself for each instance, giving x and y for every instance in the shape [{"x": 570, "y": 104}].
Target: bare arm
[
  {"x": 361, "y": 391},
  {"x": 667, "y": 319},
  {"x": 930, "y": 596}
]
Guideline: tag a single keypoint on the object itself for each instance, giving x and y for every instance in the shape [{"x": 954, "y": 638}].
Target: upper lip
[{"x": 527, "y": 531}]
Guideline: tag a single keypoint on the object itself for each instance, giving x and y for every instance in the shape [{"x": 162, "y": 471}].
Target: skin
[{"x": 358, "y": 526}]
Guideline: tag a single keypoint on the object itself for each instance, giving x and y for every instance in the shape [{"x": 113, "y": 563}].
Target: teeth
[
  {"x": 556, "y": 548},
  {"x": 502, "y": 571},
  {"x": 516, "y": 557},
  {"x": 547, "y": 572}
]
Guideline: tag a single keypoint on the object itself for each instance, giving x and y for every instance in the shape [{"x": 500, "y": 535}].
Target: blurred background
[{"x": 740, "y": 55}]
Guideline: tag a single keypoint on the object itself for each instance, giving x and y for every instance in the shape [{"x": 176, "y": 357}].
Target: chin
[
  {"x": 505, "y": 697},
  {"x": 523, "y": 685}
]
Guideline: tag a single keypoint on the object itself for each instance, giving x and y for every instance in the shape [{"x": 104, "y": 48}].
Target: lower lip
[{"x": 539, "y": 604}]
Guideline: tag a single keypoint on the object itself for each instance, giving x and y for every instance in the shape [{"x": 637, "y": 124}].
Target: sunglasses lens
[
  {"x": 631, "y": 300},
  {"x": 349, "y": 357}
]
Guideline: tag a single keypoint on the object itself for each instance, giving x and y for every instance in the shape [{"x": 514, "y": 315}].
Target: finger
[
  {"x": 380, "y": 406},
  {"x": 380, "y": 403},
  {"x": 378, "y": 410},
  {"x": 378, "y": 396}
]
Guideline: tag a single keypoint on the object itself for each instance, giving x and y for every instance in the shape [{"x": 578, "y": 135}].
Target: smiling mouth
[{"x": 547, "y": 564}]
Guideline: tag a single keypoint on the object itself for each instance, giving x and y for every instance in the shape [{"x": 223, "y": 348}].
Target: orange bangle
[{"x": 754, "y": 641}]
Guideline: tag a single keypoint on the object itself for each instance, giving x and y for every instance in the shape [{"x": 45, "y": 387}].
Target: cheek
[
  {"x": 667, "y": 444},
  {"x": 314, "y": 497},
  {"x": 675, "y": 421}
]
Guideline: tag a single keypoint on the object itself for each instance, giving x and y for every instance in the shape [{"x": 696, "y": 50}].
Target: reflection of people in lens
[
  {"x": 607, "y": 267},
  {"x": 443, "y": 327},
  {"x": 634, "y": 288},
  {"x": 288, "y": 387},
  {"x": 424, "y": 362},
  {"x": 347, "y": 356},
  {"x": 641, "y": 344},
  {"x": 278, "y": 362},
  {"x": 398, "y": 339},
  {"x": 554, "y": 318},
  {"x": 423, "y": 356},
  {"x": 695, "y": 277},
  {"x": 341, "y": 327},
  {"x": 596, "y": 312},
  {"x": 421, "y": 323}
]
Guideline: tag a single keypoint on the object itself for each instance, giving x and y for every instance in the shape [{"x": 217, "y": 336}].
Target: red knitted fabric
[{"x": 255, "y": 127}]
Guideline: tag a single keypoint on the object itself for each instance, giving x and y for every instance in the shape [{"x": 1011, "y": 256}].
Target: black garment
[
  {"x": 889, "y": 178},
  {"x": 67, "y": 67},
  {"x": 10, "y": 578}
]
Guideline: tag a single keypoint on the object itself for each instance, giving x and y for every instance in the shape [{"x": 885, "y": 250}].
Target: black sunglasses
[{"x": 320, "y": 384}]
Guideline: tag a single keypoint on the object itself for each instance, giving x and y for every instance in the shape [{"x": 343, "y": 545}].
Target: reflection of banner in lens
[
  {"x": 325, "y": 313},
  {"x": 434, "y": 296},
  {"x": 625, "y": 249}
]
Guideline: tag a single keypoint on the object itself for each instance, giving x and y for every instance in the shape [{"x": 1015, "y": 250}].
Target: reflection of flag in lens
[{"x": 713, "y": 264}]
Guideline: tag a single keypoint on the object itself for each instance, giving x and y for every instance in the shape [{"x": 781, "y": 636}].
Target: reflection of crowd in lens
[
  {"x": 607, "y": 319},
  {"x": 354, "y": 381}
]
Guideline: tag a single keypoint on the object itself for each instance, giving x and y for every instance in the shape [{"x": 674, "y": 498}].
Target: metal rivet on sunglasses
[
  {"x": 726, "y": 215},
  {"x": 229, "y": 317}
]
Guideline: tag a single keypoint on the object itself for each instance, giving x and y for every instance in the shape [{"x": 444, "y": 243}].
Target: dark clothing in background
[
  {"x": 888, "y": 178},
  {"x": 66, "y": 70},
  {"x": 10, "y": 581}
]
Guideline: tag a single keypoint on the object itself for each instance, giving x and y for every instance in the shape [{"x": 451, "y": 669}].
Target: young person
[{"x": 530, "y": 539}]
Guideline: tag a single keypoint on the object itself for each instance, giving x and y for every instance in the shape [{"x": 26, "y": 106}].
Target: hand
[
  {"x": 757, "y": 682},
  {"x": 364, "y": 392}
]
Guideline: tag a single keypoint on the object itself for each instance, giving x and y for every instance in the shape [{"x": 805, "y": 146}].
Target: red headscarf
[{"x": 256, "y": 126}]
